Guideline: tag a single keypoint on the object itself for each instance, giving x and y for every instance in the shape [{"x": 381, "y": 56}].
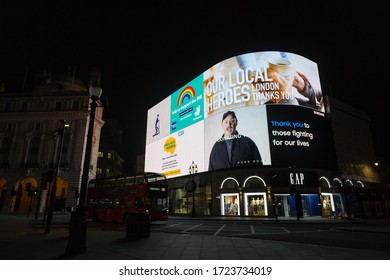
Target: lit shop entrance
[
  {"x": 333, "y": 205},
  {"x": 246, "y": 199},
  {"x": 286, "y": 206}
]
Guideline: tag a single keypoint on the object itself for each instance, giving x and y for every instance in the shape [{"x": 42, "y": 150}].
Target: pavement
[{"x": 24, "y": 238}]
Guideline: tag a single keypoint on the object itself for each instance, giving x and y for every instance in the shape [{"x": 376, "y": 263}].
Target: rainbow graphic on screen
[{"x": 187, "y": 93}]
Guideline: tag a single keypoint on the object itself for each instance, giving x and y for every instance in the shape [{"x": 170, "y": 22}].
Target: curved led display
[{"x": 256, "y": 109}]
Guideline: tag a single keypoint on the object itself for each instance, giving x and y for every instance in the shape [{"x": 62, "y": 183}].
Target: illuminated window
[
  {"x": 230, "y": 204},
  {"x": 256, "y": 204},
  {"x": 109, "y": 155},
  {"x": 100, "y": 154}
]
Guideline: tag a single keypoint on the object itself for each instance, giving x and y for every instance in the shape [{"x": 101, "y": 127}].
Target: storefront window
[
  {"x": 178, "y": 201},
  {"x": 181, "y": 201},
  {"x": 327, "y": 205},
  {"x": 256, "y": 204},
  {"x": 339, "y": 206},
  {"x": 230, "y": 204},
  {"x": 282, "y": 204}
]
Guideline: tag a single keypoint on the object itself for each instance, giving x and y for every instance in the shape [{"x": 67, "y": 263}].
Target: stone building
[{"x": 43, "y": 133}]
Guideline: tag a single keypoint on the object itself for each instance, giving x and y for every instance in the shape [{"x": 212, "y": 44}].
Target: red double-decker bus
[{"x": 114, "y": 198}]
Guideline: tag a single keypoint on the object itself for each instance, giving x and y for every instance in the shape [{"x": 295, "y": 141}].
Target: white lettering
[{"x": 297, "y": 178}]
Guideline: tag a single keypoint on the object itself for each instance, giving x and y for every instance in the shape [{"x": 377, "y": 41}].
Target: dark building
[{"x": 110, "y": 160}]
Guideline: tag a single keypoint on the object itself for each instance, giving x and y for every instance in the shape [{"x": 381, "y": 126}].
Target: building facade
[
  {"x": 354, "y": 188},
  {"x": 266, "y": 142},
  {"x": 43, "y": 133}
]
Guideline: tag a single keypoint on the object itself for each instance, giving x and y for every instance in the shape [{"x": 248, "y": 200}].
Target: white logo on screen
[{"x": 197, "y": 110}]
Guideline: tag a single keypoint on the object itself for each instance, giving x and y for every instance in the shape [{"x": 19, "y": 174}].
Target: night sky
[{"x": 148, "y": 49}]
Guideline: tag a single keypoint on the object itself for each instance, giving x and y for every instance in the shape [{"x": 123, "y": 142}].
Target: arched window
[
  {"x": 324, "y": 183},
  {"x": 337, "y": 182},
  {"x": 64, "y": 151},
  {"x": 229, "y": 183},
  {"x": 33, "y": 150},
  {"x": 5, "y": 148},
  {"x": 75, "y": 106},
  {"x": 254, "y": 181},
  {"x": 24, "y": 107},
  {"x": 360, "y": 183}
]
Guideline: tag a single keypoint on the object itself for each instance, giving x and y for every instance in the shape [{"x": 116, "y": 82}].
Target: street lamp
[
  {"x": 53, "y": 190},
  {"x": 192, "y": 170},
  {"x": 41, "y": 187},
  {"x": 78, "y": 221}
]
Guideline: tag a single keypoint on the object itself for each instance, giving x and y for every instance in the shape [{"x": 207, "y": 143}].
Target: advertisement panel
[
  {"x": 158, "y": 121},
  {"x": 262, "y": 78},
  {"x": 256, "y": 109},
  {"x": 249, "y": 141},
  {"x": 173, "y": 154},
  {"x": 299, "y": 137},
  {"x": 187, "y": 105}
]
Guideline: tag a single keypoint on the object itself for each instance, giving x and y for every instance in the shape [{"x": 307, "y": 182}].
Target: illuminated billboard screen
[{"x": 256, "y": 109}]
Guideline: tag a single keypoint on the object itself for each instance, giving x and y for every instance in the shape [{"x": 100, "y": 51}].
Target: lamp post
[
  {"x": 78, "y": 221},
  {"x": 54, "y": 185},
  {"x": 41, "y": 186},
  {"x": 192, "y": 170}
]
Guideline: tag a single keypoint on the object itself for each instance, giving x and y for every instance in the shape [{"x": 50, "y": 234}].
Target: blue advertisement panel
[{"x": 187, "y": 105}]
